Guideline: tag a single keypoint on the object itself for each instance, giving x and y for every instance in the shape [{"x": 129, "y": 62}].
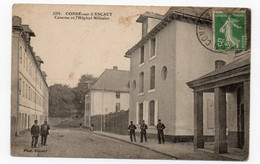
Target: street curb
[{"x": 165, "y": 154}]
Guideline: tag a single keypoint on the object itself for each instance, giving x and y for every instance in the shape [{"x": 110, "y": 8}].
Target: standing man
[
  {"x": 35, "y": 131},
  {"x": 44, "y": 133},
  {"x": 160, "y": 128},
  {"x": 132, "y": 128},
  {"x": 143, "y": 128}
]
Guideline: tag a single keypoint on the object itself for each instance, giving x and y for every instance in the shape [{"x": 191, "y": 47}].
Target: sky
[{"x": 71, "y": 48}]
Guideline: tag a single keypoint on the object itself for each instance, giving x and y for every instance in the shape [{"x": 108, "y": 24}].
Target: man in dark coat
[
  {"x": 132, "y": 128},
  {"x": 35, "y": 131},
  {"x": 160, "y": 128},
  {"x": 143, "y": 128},
  {"x": 44, "y": 133}
]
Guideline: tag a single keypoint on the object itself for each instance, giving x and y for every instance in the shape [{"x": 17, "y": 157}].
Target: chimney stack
[
  {"x": 89, "y": 84},
  {"x": 17, "y": 21},
  {"x": 115, "y": 68}
]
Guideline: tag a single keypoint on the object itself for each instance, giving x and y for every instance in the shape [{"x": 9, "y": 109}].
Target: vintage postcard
[{"x": 131, "y": 82}]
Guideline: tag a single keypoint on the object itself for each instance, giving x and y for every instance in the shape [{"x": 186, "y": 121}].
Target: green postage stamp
[{"x": 229, "y": 31}]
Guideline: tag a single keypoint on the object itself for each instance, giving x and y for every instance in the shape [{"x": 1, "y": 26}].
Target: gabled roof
[
  {"x": 231, "y": 66},
  {"x": 189, "y": 14},
  {"x": 237, "y": 68},
  {"x": 168, "y": 17},
  {"x": 112, "y": 80},
  {"x": 17, "y": 24},
  {"x": 145, "y": 15}
]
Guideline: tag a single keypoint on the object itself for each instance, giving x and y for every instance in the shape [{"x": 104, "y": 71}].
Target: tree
[
  {"x": 61, "y": 101},
  {"x": 80, "y": 91}
]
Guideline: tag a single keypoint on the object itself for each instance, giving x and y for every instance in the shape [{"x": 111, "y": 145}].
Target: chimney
[
  {"x": 89, "y": 84},
  {"x": 28, "y": 39},
  {"x": 44, "y": 75},
  {"x": 219, "y": 64},
  {"x": 17, "y": 21},
  {"x": 115, "y": 68},
  {"x": 39, "y": 60}
]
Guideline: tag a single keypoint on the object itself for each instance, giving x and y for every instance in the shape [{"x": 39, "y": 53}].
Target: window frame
[
  {"x": 140, "y": 119},
  {"x": 134, "y": 85},
  {"x": 152, "y": 77},
  {"x": 118, "y": 95},
  {"x": 151, "y": 119},
  {"x": 164, "y": 73},
  {"x": 141, "y": 82},
  {"x": 153, "y": 47},
  {"x": 141, "y": 62},
  {"x": 20, "y": 86}
]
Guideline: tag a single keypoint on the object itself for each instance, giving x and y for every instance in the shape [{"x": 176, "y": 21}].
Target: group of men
[
  {"x": 36, "y": 131},
  {"x": 160, "y": 127}
]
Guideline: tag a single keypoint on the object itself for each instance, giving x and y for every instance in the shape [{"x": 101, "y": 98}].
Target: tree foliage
[
  {"x": 81, "y": 90},
  {"x": 61, "y": 101},
  {"x": 69, "y": 102}
]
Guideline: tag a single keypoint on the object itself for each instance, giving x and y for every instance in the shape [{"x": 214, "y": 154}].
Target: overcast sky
[{"x": 70, "y": 48}]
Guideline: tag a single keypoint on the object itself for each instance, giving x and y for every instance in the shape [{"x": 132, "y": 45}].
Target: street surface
[{"x": 75, "y": 142}]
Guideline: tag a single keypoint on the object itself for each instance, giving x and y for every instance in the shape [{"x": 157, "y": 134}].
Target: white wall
[
  {"x": 109, "y": 102},
  {"x": 163, "y": 94},
  {"x": 192, "y": 61}
]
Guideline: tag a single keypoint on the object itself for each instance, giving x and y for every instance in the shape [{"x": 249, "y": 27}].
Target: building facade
[
  {"x": 230, "y": 85},
  {"x": 29, "y": 90},
  {"x": 162, "y": 62},
  {"x": 108, "y": 95}
]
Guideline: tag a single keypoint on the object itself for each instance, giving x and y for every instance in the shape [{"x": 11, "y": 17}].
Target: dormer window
[{"x": 118, "y": 95}]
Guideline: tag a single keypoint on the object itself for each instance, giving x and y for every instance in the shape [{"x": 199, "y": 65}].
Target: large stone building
[
  {"x": 29, "y": 90},
  {"x": 169, "y": 55},
  {"x": 108, "y": 95}
]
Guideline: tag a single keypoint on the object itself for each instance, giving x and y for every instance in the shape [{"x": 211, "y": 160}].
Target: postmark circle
[{"x": 204, "y": 33}]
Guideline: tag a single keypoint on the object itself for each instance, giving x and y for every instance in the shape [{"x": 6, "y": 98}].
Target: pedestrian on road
[
  {"x": 132, "y": 128},
  {"x": 44, "y": 133},
  {"x": 143, "y": 128},
  {"x": 92, "y": 127},
  {"x": 160, "y": 128},
  {"x": 35, "y": 131}
]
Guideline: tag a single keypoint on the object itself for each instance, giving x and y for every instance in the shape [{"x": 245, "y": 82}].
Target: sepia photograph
[{"x": 130, "y": 82}]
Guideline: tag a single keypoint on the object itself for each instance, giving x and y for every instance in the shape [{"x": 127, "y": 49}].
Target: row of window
[
  {"x": 27, "y": 64},
  {"x": 29, "y": 93},
  {"x": 152, "y": 79},
  {"x": 118, "y": 107},
  {"x": 151, "y": 113},
  {"x": 153, "y": 51},
  {"x": 25, "y": 120}
]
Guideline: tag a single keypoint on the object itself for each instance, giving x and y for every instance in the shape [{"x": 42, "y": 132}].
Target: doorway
[{"x": 240, "y": 119}]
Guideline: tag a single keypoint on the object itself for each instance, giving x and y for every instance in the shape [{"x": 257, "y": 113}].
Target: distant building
[
  {"x": 169, "y": 55},
  {"x": 29, "y": 92},
  {"x": 109, "y": 94}
]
